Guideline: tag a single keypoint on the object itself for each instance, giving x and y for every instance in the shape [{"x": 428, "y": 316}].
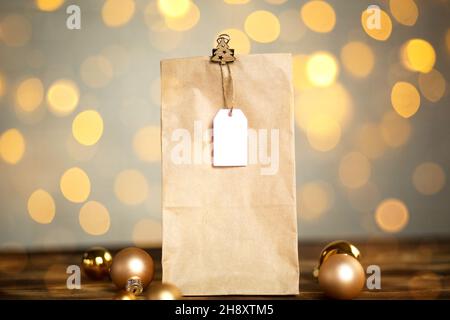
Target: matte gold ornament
[
  {"x": 96, "y": 263},
  {"x": 124, "y": 295},
  {"x": 132, "y": 270},
  {"x": 339, "y": 272},
  {"x": 163, "y": 291}
]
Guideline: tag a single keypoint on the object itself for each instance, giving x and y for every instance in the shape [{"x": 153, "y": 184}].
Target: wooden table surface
[{"x": 409, "y": 270}]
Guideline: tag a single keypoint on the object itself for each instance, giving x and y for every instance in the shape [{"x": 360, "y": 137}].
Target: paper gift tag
[{"x": 230, "y": 139}]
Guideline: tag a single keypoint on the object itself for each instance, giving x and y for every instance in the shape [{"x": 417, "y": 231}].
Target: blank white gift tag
[{"x": 230, "y": 139}]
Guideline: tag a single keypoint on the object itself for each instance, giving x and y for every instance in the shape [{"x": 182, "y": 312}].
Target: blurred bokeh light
[
  {"x": 392, "y": 215},
  {"x": 404, "y": 11},
  {"x": 319, "y": 16},
  {"x": 87, "y": 127},
  {"x": 41, "y": 206},
  {"x": 94, "y": 218},
  {"x": 12, "y": 146},
  {"x": 49, "y": 5},
  {"x": 262, "y": 26},
  {"x": 63, "y": 96},
  {"x": 75, "y": 185},
  {"x": 405, "y": 99},
  {"x": 29, "y": 94},
  {"x": 116, "y": 13},
  {"x": 379, "y": 30}
]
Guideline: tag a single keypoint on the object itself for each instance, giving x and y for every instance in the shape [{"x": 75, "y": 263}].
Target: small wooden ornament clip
[{"x": 222, "y": 53}]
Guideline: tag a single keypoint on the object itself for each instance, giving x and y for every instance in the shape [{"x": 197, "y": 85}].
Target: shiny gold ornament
[
  {"x": 336, "y": 247},
  {"x": 132, "y": 270},
  {"x": 96, "y": 263},
  {"x": 124, "y": 295},
  {"x": 339, "y": 272},
  {"x": 163, "y": 291}
]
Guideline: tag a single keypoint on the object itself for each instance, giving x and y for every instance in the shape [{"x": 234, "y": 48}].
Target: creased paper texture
[{"x": 229, "y": 230}]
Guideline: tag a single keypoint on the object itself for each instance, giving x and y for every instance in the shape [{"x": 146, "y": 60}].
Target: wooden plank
[{"x": 410, "y": 270}]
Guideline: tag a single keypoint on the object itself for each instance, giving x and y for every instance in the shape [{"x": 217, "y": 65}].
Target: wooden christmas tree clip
[{"x": 222, "y": 53}]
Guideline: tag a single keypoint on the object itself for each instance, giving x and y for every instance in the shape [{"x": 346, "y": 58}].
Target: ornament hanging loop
[
  {"x": 223, "y": 36},
  {"x": 223, "y": 55}
]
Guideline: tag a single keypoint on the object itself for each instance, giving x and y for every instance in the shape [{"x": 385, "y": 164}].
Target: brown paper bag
[{"x": 229, "y": 230}]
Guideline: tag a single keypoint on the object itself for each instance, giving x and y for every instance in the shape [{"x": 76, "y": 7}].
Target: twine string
[{"x": 228, "y": 104}]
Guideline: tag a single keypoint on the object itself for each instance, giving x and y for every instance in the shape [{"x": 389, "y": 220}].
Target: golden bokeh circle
[
  {"x": 358, "y": 59},
  {"x": 432, "y": 85},
  {"x": 405, "y": 99},
  {"x": 404, "y": 11},
  {"x": 94, "y": 218},
  {"x": 392, "y": 215},
  {"x": 418, "y": 55},
  {"x": 323, "y": 133},
  {"x": 41, "y": 206},
  {"x": 116, "y": 13},
  {"x": 322, "y": 69},
  {"x": 184, "y": 22},
  {"x": 12, "y": 146},
  {"x": 428, "y": 178},
  {"x": 48, "y": 5},
  {"x": 75, "y": 185},
  {"x": 29, "y": 94},
  {"x": 174, "y": 8},
  {"x": 333, "y": 101},
  {"x": 262, "y": 26},
  {"x": 379, "y": 27},
  {"x": 319, "y": 16},
  {"x": 87, "y": 127},
  {"x": 131, "y": 187},
  {"x": 63, "y": 97}
]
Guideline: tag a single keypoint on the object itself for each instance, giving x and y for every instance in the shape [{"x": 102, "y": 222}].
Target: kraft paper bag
[{"x": 229, "y": 230}]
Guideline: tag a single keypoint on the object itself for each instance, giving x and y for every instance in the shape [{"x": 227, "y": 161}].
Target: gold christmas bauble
[
  {"x": 96, "y": 263},
  {"x": 132, "y": 270},
  {"x": 336, "y": 247},
  {"x": 163, "y": 291},
  {"x": 341, "y": 277},
  {"x": 339, "y": 272}
]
